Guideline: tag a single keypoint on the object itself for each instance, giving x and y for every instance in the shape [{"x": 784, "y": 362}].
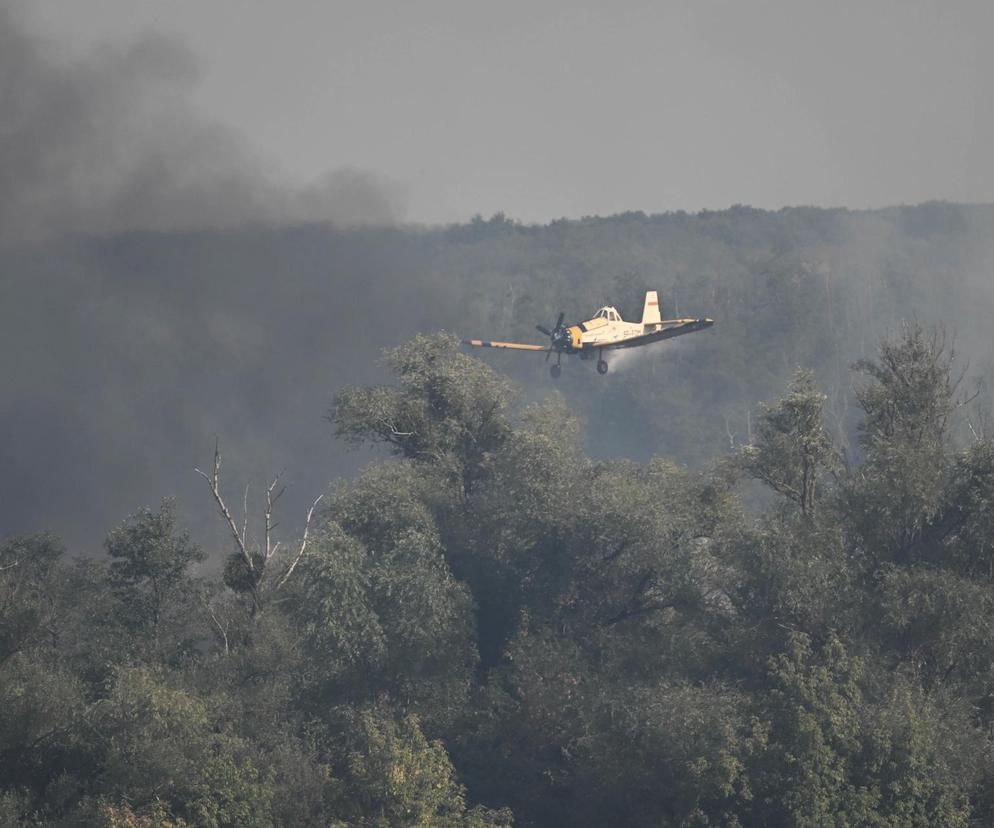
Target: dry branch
[
  {"x": 214, "y": 482},
  {"x": 257, "y": 566},
  {"x": 303, "y": 542}
]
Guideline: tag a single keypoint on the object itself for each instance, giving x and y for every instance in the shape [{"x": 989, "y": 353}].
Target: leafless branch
[
  {"x": 731, "y": 434},
  {"x": 303, "y": 542},
  {"x": 214, "y": 480},
  {"x": 220, "y": 629},
  {"x": 271, "y": 501},
  {"x": 245, "y": 514},
  {"x": 973, "y": 430},
  {"x": 393, "y": 429}
]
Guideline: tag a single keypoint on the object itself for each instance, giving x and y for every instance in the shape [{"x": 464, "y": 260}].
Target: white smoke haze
[
  {"x": 628, "y": 359},
  {"x": 111, "y": 142}
]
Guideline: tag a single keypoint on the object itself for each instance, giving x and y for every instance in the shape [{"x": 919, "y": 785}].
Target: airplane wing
[
  {"x": 683, "y": 326},
  {"x": 516, "y": 346}
]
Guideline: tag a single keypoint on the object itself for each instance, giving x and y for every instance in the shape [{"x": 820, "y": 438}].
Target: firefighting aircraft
[{"x": 606, "y": 330}]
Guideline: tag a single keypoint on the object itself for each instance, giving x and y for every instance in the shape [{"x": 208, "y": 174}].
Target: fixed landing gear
[{"x": 601, "y": 366}]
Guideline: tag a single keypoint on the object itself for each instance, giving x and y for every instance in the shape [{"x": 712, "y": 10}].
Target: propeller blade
[
  {"x": 543, "y": 329},
  {"x": 548, "y": 354},
  {"x": 559, "y": 321}
]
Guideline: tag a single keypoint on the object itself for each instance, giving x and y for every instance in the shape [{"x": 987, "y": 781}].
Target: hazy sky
[{"x": 574, "y": 108}]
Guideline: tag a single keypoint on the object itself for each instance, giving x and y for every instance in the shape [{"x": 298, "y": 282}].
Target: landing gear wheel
[
  {"x": 556, "y": 370},
  {"x": 601, "y": 366}
]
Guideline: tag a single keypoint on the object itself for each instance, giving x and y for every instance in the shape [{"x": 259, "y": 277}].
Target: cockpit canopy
[{"x": 609, "y": 313}]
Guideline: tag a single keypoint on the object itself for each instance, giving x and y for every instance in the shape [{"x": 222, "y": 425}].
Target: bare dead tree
[
  {"x": 257, "y": 564},
  {"x": 214, "y": 481}
]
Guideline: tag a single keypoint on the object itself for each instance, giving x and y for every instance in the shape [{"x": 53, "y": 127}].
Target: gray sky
[{"x": 559, "y": 109}]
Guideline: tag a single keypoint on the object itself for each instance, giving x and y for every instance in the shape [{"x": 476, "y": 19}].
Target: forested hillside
[
  {"x": 643, "y": 598},
  {"x": 490, "y": 628},
  {"x": 122, "y": 358},
  {"x": 278, "y": 547}
]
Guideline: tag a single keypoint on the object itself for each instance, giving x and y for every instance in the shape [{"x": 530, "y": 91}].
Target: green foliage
[
  {"x": 834, "y": 756},
  {"x": 147, "y": 548},
  {"x": 941, "y": 624},
  {"x": 591, "y": 746},
  {"x": 922, "y": 756},
  {"x": 150, "y": 562},
  {"x": 449, "y": 409},
  {"x": 791, "y": 448},
  {"x": 966, "y": 530},
  {"x": 41, "y": 707},
  {"x": 911, "y": 392},
  {"x": 791, "y": 576},
  {"x": 28, "y": 570},
  {"x": 14, "y": 810},
  {"x": 403, "y": 779},
  {"x": 124, "y": 816},
  {"x": 493, "y": 623},
  {"x": 898, "y": 491},
  {"x": 158, "y": 743},
  {"x": 388, "y": 619},
  {"x": 814, "y": 702}
]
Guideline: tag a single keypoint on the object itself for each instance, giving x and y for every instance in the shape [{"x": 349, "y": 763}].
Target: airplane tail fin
[{"x": 650, "y": 311}]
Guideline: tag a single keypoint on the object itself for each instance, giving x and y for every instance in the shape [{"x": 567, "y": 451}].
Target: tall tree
[
  {"x": 150, "y": 564},
  {"x": 27, "y": 572},
  {"x": 449, "y": 409},
  {"x": 908, "y": 399},
  {"x": 791, "y": 449}
]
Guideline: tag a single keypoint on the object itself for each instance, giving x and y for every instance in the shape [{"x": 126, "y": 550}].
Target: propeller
[{"x": 557, "y": 335}]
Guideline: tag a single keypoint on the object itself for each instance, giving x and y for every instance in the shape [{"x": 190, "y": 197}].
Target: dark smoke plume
[
  {"x": 129, "y": 335},
  {"x": 111, "y": 143}
]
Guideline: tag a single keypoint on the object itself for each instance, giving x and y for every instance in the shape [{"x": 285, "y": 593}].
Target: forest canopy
[
  {"x": 489, "y": 627},
  {"x": 124, "y": 356}
]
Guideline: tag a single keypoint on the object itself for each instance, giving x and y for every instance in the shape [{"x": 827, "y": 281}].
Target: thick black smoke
[
  {"x": 112, "y": 143},
  {"x": 148, "y": 298}
]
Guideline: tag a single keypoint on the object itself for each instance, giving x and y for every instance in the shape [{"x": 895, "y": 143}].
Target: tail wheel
[
  {"x": 555, "y": 370},
  {"x": 601, "y": 366}
]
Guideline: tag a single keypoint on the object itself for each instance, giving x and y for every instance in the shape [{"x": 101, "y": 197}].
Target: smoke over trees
[
  {"x": 649, "y": 599},
  {"x": 160, "y": 290},
  {"x": 125, "y": 357},
  {"x": 493, "y": 628}
]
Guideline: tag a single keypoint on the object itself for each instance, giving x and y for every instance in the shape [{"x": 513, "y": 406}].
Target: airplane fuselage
[
  {"x": 607, "y": 330},
  {"x": 604, "y": 331},
  {"x": 601, "y": 333}
]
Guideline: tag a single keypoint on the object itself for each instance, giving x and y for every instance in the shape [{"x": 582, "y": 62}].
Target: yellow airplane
[{"x": 604, "y": 331}]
